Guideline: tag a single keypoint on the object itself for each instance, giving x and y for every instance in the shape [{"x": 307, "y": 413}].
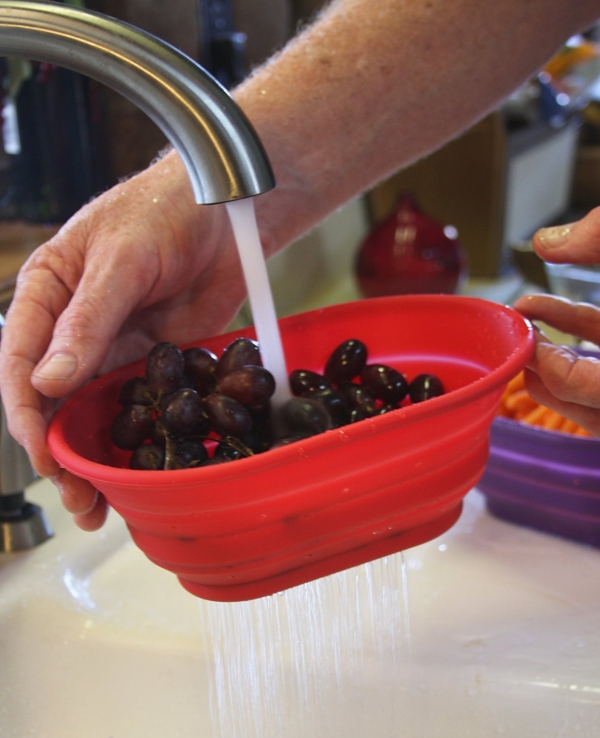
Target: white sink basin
[{"x": 489, "y": 630}]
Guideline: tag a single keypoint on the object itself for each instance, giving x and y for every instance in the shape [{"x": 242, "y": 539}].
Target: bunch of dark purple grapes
[
  {"x": 350, "y": 389},
  {"x": 189, "y": 402},
  {"x": 193, "y": 409}
]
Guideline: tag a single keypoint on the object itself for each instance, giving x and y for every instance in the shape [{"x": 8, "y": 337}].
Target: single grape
[
  {"x": 240, "y": 352},
  {"x": 346, "y": 361},
  {"x": 335, "y": 403},
  {"x": 164, "y": 368},
  {"x": 182, "y": 412},
  {"x": 131, "y": 427},
  {"x": 189, "y": 453},
  {"x": 359, "y": 413},
  {"x": 135, "y": 391},
  {"x": 302, "y": 416},
  {"x": 227, "y": 416},
  {"x": 424, "y": 387},
  {"x": 360, "y": 398},
  {"x": 149, "y": 457},
  {"x": 305, "y": 381},
  {"x": 386, "y": 383},
  {"x": 200, "y": 365},
  {"x": 250, "y": 385}
]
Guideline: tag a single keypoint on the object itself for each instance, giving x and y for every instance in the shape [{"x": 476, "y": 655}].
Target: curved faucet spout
[{"x": 222, "y": 153}]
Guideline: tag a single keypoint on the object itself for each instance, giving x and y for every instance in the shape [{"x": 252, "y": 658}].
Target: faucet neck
[{"x": 223, "y": 156}]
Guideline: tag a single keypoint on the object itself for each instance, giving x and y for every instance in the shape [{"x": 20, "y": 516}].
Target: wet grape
[
  {"x": 346, "y": 361},
  {"x": 385, "y": 382},
  {"x": 424, "y": 387},
  {"x": 305, "y": 381},
  {"x": 359, "y": 413},
  {"x": 360, "y": 398},
  {"x": 135, "y": 391},
  {"x": 250, "y": 385},
  {"x": 149, "y": 457},
  {"x": 131, "y": 427},
  {"x": 335, "y": 403},
  {"x": 182, "y": 412},
  {"x": 227, "y": 416},
  {"x": 200, "y": 365},
  {"x": 188, "y": 453},
  {"x": 240, "y": 352},
  {"x": 302, "y": 416},
  {"x": 164, "y": 368}
]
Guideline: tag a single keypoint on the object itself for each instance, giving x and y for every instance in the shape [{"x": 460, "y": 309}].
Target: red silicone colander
[{"x": 259, "y": 525}]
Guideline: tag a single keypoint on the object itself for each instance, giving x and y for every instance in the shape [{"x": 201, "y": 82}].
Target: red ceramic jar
[{"x": 410, "y": 253}]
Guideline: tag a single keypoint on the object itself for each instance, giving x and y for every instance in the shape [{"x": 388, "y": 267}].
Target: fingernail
[
  {"x": 555, "y": 236},
  {"x": 60, "y": 365}
]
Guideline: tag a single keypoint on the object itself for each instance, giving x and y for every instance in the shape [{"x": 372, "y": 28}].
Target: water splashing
[{"x": 328, "y": 658}]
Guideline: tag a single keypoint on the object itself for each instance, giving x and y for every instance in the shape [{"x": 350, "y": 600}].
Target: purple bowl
[{"x": 544, "y": 479}]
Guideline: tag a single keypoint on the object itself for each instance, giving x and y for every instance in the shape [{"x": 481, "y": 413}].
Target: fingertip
[
  {"x": 577, "y": 242},
  {"x": 57, "y": 366},
  {"x": 57, "y": 374},
  {"x": 554, "y": 239},
  {"x": 95, "y": 518},
  {"x": 78, "y": 495}
]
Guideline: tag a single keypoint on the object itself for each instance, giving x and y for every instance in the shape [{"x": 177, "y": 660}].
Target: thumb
[{"x": 577, "y": 243}]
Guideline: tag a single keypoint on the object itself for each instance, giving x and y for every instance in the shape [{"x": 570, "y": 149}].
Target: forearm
[{"x": 372, "y": 86}]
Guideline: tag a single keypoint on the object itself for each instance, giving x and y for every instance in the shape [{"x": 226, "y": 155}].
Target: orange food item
[{"x": 517, "y": 404}]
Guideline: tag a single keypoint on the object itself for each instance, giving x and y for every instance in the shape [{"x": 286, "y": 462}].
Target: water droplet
[{"x": 343, "y": 436}]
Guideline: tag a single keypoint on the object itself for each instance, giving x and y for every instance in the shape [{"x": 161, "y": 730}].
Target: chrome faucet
[
  {"x": 23, "y": 525},
  {"x": 223, "y": 156}
]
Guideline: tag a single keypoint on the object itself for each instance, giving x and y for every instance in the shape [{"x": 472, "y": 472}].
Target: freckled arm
[{"x": 372, "y": 86}]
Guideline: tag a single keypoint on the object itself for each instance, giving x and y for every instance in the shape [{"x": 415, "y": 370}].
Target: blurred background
[{"x": 535, "y": 161}]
